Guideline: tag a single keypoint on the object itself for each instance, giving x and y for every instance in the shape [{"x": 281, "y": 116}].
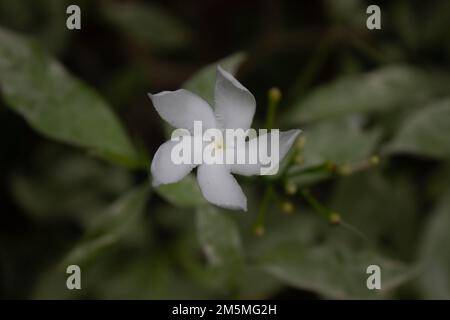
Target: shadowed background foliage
[{"x": 367, "y": 183}]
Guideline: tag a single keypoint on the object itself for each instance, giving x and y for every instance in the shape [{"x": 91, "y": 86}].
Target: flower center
[{"x": 219, "y": 145}]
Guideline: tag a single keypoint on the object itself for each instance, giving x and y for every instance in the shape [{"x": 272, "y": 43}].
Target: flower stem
[
  {"x": 331, "y": 216},
  {"x": 325, "y": 167},
  {"x": 349, "y": 169},
  {"x": 273, "y": 99},
  {"x": 259, "y": 227}
]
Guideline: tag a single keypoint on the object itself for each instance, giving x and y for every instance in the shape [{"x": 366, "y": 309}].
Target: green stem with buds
[
  {"x": 273, "y": 99},
  {"x": 331, "y": 216},
  {"x": 259, "y": 227}
]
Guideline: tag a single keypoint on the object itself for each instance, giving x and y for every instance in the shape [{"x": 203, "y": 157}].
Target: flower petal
[
  {"x": 286, "y": 140},
  {"x": 181, "y": 108},
  {"x": 164, "y": 170},
  {"x": 220, "y": 187},
  {"x": 234, "y": 104}
]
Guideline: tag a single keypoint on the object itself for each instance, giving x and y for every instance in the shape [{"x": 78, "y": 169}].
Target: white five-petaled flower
[{"x": 234, "y": 109}]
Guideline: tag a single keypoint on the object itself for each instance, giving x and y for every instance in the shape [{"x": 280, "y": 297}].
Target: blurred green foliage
[{"x": 373, "y": 106}]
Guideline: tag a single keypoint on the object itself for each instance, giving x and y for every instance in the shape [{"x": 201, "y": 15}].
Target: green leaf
[
  {"x": 146, "y": 276},
  {"x": 379, "y": 90},
  {"x": 435, "y": 254},
  {"x": 255, "y": 284},
  {"x": 82, "y": 185},
  {"x": 331, "y": 270},
  {"x": 219, "y": 237},
  {"x": 341, "y": 141},
  {"x": 151, "y": 275},
  {"x": 148, "y": 25},
  {"x": 110, "y": 226},
  {"x": 58, "y": 105},
  {"x": 303, "y": 252},
  {"x": 425, "y": 132},
  {"x": 385, "y": 210},
  {"x": 203, "y": 81},
  {"x": 184, "y": 194},
  {"x": 139, "y": 277},
  {"x": 50, "y": 14}
]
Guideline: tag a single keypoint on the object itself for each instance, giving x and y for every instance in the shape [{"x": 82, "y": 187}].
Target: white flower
[{"x": 234, "y": 109}]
